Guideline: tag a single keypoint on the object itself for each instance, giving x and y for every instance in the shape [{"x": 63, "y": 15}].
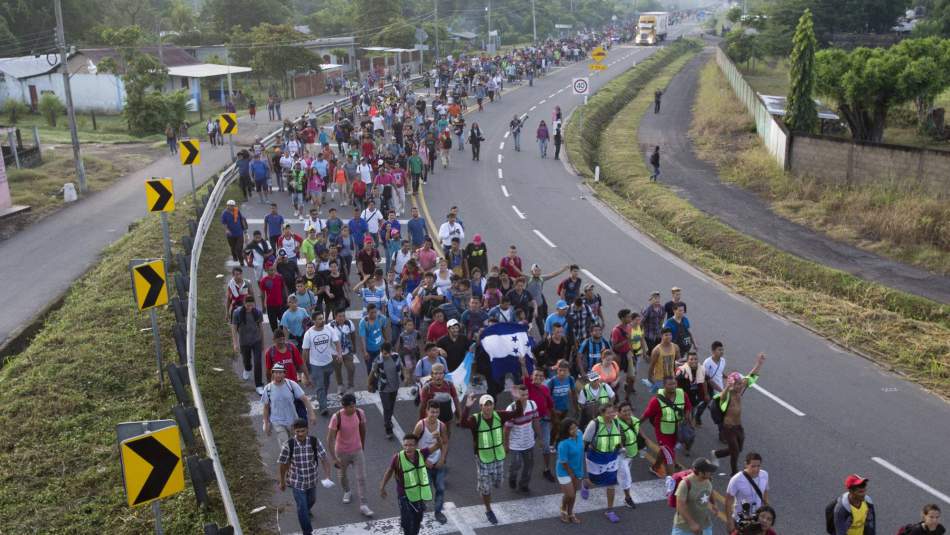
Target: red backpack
[{"x": 676, "y": 478}]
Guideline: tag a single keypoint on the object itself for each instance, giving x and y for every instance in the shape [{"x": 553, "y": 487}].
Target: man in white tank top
[{"x": 428, "y": 429}]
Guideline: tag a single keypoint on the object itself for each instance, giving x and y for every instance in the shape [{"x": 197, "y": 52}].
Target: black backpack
[
  {"x": 292, "y": 443},
  {"x": 830, "y": 517}
]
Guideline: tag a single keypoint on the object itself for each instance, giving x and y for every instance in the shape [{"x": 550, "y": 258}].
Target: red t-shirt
[
  {"x": 289, "y": 357},
  {"x": 359, "y": 188},
  {"x": 272, "y": 286},
  {"x": 509, "y": 264},
  {"x": 652, "y": 413},
  {"x": 541, "y": 397},
  {"x": 436, "y": 330}
]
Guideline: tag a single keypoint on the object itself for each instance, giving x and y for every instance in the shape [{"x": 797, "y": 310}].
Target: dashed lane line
[
  {"x": 500, "y": 175},
  {"x": 544, "y": 238},
  {"x": 599, "y": 282},
  {"x": 517, "y": 211},
  {"x": 501, "y": 146},
  {"x": 504, "y": 191},
  {"x": 780, "y": 401},
  {"x": 542, "y": 101},
  {"x": 499, "y": 158},
  {"x": 912, "y": 480},
  {"x": 532, "y": 108}
]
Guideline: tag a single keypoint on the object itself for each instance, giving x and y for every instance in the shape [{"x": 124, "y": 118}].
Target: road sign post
[
  {"x": 190, "y": 152},
  {"x": 229, "y": 126},
  {"x": 151, "y": 291},
  {"x": 152, "y": 468},
  {"x": 160, "y": 197}
]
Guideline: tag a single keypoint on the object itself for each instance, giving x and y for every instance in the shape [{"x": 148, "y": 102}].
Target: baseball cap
[
  {"x": 231, "y": 202},
  {"x": 562, "y": 305},
  {"x": 593, "y": 376},
  {"x": 281, "y": 252},
  {"x": 486, "y": 398},
  {"x": 452, "y": 323},
  {"x": 854, "y": 480},
  {"x": 477, "y": 239},
  {"x": 675, "y": 289},
  {"x": 277, "y": 368},
  {"x": 654, "y": 293},
  {"x": 702, "y": 464},
  {"x": 367, "y": 240}
]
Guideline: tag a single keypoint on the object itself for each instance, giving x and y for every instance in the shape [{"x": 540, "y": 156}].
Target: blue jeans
[
  {"x": 437, "y": 478},
  {"x": 677, "y": 531},
  {"x": 517, "y": 138},
  {"x": 410, "y": 515},
  {"x": 370, "y": 358},
  {"x": 321, "y": 375},
  {"x": 305, "y": 499},
  {"x": 543, "y": 145}
]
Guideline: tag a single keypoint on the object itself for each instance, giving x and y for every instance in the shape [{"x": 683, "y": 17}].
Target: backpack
[
  {"x": 673, "y": 483},
  {"x": 830, "y": 517},
  {"x": 299, "y": 406},
  {"x": 292, "y": 443},
  {"x": 908, "y": 529},
  {"x": 336, "y": 418},
  {"x": 715, "y": 410}
]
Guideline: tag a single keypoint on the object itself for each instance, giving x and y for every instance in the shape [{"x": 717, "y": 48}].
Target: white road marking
[
  {"x": 501, "y": 146},
  {"x": 466, "y": 520},
  {"x": 542, "y": 101},
  {"x": 559, "y": 91},
  {"x": 505, "y": 191},
  {"x": 552, "y": 95},
  {"x": 779, "y": 400},
  {"x": 544, "y": 238},
  {"x": 913, "y": 480},
  {"x": 599, "y": 282},
  {"x": 500, "y": 176},
  {"x": 294, "y": 221},
  {"x": 506, "y": 135},
  {"x": 532, "y": 108},
  {"x": 517, "y": 211},
  {"x": 397, "y": 429},
  {"x": 499, "y": 158}
]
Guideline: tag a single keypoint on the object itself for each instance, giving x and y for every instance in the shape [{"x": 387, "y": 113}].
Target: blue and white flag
[
  {"x": 505, "y": 343},
  {"x": 462, "y": 375},
  {"x": 602, "y": 467}
]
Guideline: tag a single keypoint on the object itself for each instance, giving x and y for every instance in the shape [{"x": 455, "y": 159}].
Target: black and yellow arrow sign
[
  {"x": 148, "y": 282},
  {"x": 160, "y": 195},
  {"x": 228, "y": 123},
  {"x": 189, "y": 151},
  {"x": 151, "y": 464}
]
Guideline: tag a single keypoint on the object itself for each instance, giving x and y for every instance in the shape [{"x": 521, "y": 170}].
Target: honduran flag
[
  {"x": 602, "y": 467},
  {"x": 504, "y": 343}
]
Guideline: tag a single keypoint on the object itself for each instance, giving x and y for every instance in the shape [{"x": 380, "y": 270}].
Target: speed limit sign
[{"x": 581, "y": 86}]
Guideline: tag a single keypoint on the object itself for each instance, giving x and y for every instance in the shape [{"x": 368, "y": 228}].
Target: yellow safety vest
[
  {"x": 607, "y": 439},
  {"x": 603, "y": 398},
  {"x": 415, "y": 478},
  {"x": 631, "y": 436},
  {"x": 491, "y": 446},
  {"x": 671, "y": 416}
]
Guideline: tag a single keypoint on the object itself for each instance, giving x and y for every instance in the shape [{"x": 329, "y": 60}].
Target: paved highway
[{"x": 820, "y": 413}]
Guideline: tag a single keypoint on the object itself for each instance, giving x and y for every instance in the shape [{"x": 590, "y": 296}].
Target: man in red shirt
[
  {"x": 538, "y": 393},
  {"x": 272, "y": 288},
  {"x": 290, "y": 243},
  {"x": 512, "y": 263},
  {"x": 438, "y": 328},
  {"x": 669, "y": 408},
  {"x": 288, "y": 356}
]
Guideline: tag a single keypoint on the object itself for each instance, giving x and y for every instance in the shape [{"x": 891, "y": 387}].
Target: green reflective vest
[
  {"x": 491, "y": 446},
  {"x": 607, "y": 438},
  {"x": 603, "y": 397},
  {"x": 631, "y": 436},
  {"x": 415, "y": 478},
  {"x": 671, "y": 416},
  {"x": 723, "y": 398}
]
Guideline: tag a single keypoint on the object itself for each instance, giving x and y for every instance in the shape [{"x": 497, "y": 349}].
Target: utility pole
[
  {"x": 491, "y": 40},
  {"x": 435, "y": 10},
  {"x": 61, "y": 38},
  {"x": 230, "y": 94},
  {"x": 534, "y": 24}
]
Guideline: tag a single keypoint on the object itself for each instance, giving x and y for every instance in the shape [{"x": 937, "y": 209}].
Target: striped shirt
[{"x": 303, "y": 466}]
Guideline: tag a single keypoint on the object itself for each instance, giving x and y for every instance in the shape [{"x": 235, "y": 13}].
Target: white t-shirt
[
  {"x": 316, "y": 224},
  {"x": 322, "y": 344},
  {"x": 366, "y": 173},
  {"x": 402, "y": 259},
  {"x": 714, "y": 371},
  {"x": 740, "y": 489},
  {"x": 373, "y": 218},
  {"x": 521, "y": 437}
]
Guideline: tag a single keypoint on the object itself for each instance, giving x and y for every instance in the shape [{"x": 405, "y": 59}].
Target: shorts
[
  {"x": 565, "y": 480},
  {"x": 260, "y": 186},
  {"x": 545, "y": 425},
  {"x": 667, "y": 444},
  {"x": 489, "y": 475}
]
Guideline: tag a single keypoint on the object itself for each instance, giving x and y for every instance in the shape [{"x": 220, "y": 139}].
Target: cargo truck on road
[{"x": 652, "y": 27}]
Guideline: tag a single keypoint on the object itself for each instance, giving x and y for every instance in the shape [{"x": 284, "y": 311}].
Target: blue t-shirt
[
  {"x": 320, "y": 166},
  {"x": 358, "y": 229},
  {"x": 417, "y": 231},
  {"x": 372, "y": 333},
  {"x": 554, "y": 319},
  {"x": 243, "y": 167},
  {"x": 570, "y": 451},
  {"x": 561, "y": 392},
  {"x": 293, "y": 320},
  {"x": 259, "y": 170},
  {"x": 234, "y": 226},
  {"x": 274, "y": 224}
]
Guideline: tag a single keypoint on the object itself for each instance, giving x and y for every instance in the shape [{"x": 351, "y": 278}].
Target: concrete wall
[
  {"x": 841, "y": 162},
  {"x": 99, "y": 92},
  {"x": 772, "y": 132}
]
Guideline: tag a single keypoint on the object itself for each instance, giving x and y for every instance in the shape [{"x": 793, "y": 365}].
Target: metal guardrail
[{"x": 208, "y": 216}]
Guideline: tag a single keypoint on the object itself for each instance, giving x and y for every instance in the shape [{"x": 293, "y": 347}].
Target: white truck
[{"x": 652, "y": 27}]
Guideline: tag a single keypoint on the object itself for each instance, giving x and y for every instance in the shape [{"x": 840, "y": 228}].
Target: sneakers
[
  {"x": 366, "y": 510},
  {"x": 491, "y": 517},
  {"x": 549, "y": 476},
  {"x": 512, "y": 484},
  {"x": 629, "y": 501},
  {"x": 347, "y": 497},
  {"x": 246, "y": 375},
  {"x": 713, "y": 459},
  {"x": 260, "y": 390},
  {"x": 440, "y": 517}
]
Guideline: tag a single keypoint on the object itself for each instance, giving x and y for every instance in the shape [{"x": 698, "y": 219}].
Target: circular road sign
[{"x": 581, "y": 86}]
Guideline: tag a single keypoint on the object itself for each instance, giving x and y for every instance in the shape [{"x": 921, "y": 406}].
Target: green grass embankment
[
  {"x": 91, "y": 366},
  {"x": 901, "y": 331}
]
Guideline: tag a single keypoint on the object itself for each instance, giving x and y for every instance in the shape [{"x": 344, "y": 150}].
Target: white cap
[
  {"x": 486, "y": 398},
  {"x": 452, "y": 322},
  {"x": 231, "y": 202}
]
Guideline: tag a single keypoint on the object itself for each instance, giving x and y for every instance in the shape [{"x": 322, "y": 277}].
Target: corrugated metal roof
[
  {"x": 28, "y": 66},
  {"x": 206, "y": 70},
  {"x": 172, "y": 56}
]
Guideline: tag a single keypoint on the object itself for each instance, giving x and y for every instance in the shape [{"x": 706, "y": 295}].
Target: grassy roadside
[
  {"x": 110, "y": 128},
  {"x": 90, "y": 367},
  {"x": 900, "y": 331},
  {"x": 908, "y": 225}
]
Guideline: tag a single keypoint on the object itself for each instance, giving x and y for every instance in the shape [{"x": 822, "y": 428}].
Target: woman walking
[
  {"x": 543, "y": 137},
  {"x": 570, "y": 468},
  {"x": 475, "y": 139}
]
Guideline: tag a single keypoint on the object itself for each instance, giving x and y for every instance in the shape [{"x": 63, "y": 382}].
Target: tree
[
  {"x": 742, "y": 46},
  {"x": 336, "y": 17},
  {"x": 269, "y": 50},
  {"x": 225, "y": 15},
  {"x": 865, "y": 83},
  {"x": 802, "y": 115},
  {"x": 50, "y": 108},
  {"x": 930, "y": 75},
  {"x": 147, "y": 109},
  {"x": 937, "y": 21},
  {"x": 734, "y": 14},
  {"x": 374, "y": 15}
]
